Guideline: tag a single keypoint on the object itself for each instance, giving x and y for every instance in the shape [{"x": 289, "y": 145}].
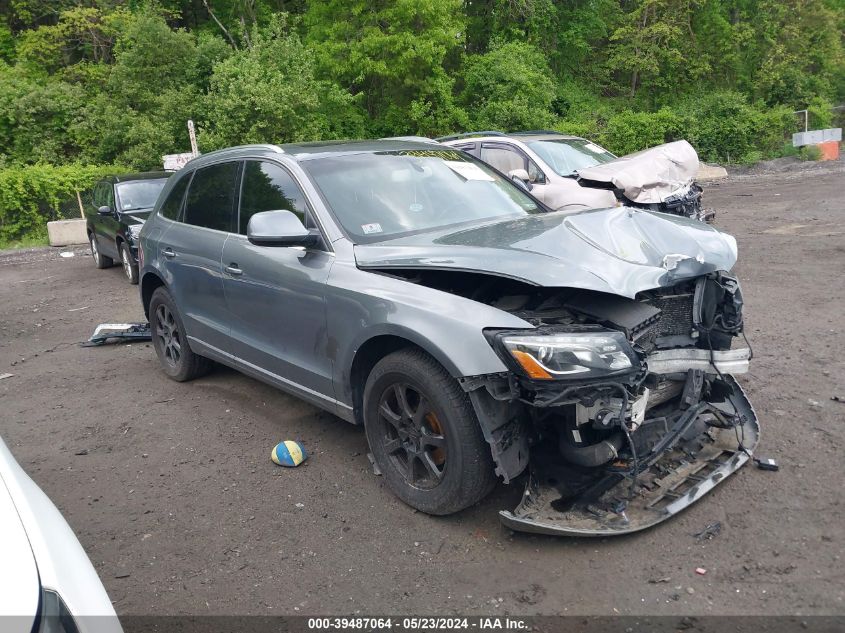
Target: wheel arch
[
  {"x": 372, "y": 350},
  {"x": 149, "y": 283}
]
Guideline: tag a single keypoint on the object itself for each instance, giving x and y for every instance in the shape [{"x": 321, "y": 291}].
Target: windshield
[
  {"x": 384, "y": 195},
  {"x": 138, "y": 194},
  {"x": 566, "y": 156}
]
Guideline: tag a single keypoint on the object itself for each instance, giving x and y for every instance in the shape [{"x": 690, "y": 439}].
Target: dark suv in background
[
  {"x": 475, "y": 333},
  {"x": 116, "y": 209}
]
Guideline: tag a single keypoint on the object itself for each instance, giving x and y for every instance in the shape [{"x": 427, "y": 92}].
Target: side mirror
[
  {"x": 520, "y": 177},
  {"x": 104, "y": 210},
  {"x": 279, "y": 228}
]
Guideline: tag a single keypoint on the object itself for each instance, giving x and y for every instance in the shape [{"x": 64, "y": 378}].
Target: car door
[
  {"x": 105, "y": 226},
  {"x": 276, "y": 294},
  {"x": 505, "y": 158},
  {"x": 191, "y": 250}
]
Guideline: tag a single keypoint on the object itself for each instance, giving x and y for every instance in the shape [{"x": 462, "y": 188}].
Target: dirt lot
[{"x": 181, "y": 510}]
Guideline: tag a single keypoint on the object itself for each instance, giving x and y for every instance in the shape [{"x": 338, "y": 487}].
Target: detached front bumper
[{"x": 686, "y": 461}]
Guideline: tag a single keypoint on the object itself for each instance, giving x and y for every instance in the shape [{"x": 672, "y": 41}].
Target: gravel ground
[{"x": 171, "y": 490}]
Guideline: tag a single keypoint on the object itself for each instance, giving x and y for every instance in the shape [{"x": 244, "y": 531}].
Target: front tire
[
  {"x": 170, "y": 342},
  {"x": 130, "y": 267},
  {"x": 424, "y": 434},
  {"x": 100, "y": 260}
]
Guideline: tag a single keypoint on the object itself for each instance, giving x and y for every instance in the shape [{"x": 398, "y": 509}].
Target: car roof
[
  {"x": 316, "y": 149},
  {"x": 319, "y": 149},
  {"x": 142, "y": 175},
  {"x": 525, "y": 136}
]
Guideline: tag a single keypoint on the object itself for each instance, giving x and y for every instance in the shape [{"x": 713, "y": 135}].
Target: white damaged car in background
[
  {"x": 47, "y": 583},
  {"x": 570, "y": 173}
]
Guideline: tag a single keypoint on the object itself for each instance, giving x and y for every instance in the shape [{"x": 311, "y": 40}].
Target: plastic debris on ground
[
  {"x": 713, "y": 529},
  {"x": 113, "y": 332}
]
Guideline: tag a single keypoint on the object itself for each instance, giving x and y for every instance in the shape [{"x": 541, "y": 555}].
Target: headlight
[{"x": 571, "y": 355}]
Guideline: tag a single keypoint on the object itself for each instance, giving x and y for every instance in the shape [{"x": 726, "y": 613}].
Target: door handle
[
  {"x": 233, "y": 269},
  {"x": 168, "y": 253}
]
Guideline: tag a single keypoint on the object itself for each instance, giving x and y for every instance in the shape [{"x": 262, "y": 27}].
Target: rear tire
[
  {"x": 130, "y": 266},
  {"x": 170, "y": 342},
  {"x": 100, "y": 260},
  {"x": 424, "y": 434}
]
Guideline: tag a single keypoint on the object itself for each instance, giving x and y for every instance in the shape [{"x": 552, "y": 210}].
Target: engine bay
[{"x": 626, "y": 450}]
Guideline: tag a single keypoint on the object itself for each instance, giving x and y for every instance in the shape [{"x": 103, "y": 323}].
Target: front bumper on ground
[{"x": 680, "y": 471}]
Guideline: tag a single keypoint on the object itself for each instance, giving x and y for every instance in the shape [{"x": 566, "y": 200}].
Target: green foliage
[
  {"x": 509, "y": 87},
  {"x": 810, "y": 153},
  {"x": 394, "y": 55},
  {"x": 35, "y": 115},
  {"x": 7, "y": 44},
  {"x": 723, "y": 126},
  {"x": 32, "y": 195},
  {"x": 269, "y": 92},
  {"x": 629, "y": 131},
  {"x": 820, "y": 113}
]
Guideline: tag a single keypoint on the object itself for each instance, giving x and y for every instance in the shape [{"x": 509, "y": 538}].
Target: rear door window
[
  {"x": 211, "y": 197},
  {"x": 269, "y": 187},
  {"x": 103, "y": 195},
  {"x": 171, "y": 207},
  {"x": 96, "y": 196},
  {"x": 502, "y": 158}
]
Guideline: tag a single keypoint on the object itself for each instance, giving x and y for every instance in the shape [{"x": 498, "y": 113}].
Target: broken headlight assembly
[{"x": 561, "y": 355}]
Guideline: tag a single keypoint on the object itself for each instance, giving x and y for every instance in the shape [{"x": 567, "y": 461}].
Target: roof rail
[
  {"x": 527, "y": 132},
  {"x": 453, "y": 137},
  {"x": 418, "y": 139},
  {"x": 265, "y": 146},
  {"x": 272, "y": 147}
]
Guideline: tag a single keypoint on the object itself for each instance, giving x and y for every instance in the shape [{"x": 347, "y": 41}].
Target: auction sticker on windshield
[{"x": 375, "y": 227}]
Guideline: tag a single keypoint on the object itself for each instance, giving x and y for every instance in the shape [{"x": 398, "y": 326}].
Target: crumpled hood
[
  {"x": 621, "y": 250},
  {"x": 649, "y": 176}
]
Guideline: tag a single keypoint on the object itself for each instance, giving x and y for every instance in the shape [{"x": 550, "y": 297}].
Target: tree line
[{"x": 100, "y": 82}]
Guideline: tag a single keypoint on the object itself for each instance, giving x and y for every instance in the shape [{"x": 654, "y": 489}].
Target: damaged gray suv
[{"x": 475, "y": 334}]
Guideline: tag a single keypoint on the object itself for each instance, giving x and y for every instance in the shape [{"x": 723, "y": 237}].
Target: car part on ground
[
  {"x": 47, "y": 582},
  {"x": 114, "y": 332},
  {"x": 571, "y": 173},
  {"x": 413, "y": 289}
]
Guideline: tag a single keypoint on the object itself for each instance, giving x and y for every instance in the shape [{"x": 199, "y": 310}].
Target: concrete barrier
[
  {"x": 710, "y": 172},
  {"x": 67, "y": 232}
]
